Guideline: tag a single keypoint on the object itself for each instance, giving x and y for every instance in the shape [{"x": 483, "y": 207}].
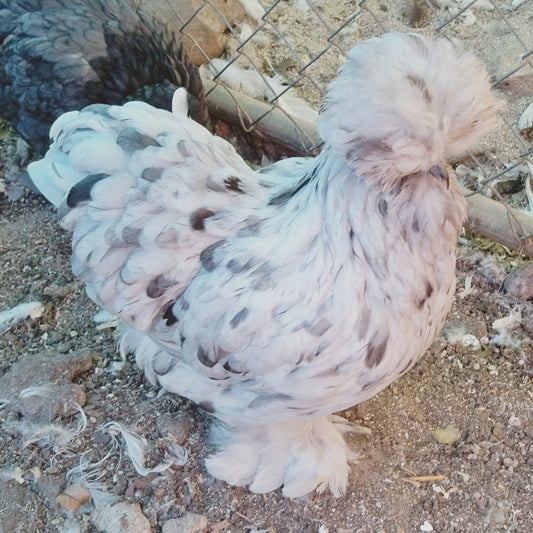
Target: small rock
[
  {"x": 120, "y": 517},
  {"x": 73, "y": 497},
  {"x": 519, "y": 282},
  {"x": 188, "y": 523},
  {"x": 58, "y": 291},
  {"x": 177, "y": 426},
  {"x": 495, "y": 516},
  {"x": 499, "y": 431},
  {"x": 39, "y": 386},
  {"x": 515, "y": 421},
  {"x": 525, "y": 122},
  {"x": 426, "y": 526},
  {"x": 447, "y": 435}
]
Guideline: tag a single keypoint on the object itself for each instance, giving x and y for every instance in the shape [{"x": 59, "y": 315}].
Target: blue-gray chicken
[
  {"x": 61, "y": 55},
  {"x": 274, "y": 298}
]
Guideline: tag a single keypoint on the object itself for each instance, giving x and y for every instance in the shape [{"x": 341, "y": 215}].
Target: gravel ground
[
  {"x": 448, "y": 447},
  {"x": 468, "y": 381}
]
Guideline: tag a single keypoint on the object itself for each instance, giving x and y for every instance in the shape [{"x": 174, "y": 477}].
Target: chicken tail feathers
[{"x": 53, "y": 175}]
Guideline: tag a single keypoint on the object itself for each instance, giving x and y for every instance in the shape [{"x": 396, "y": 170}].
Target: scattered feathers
[{"x": 135, "y": 447}]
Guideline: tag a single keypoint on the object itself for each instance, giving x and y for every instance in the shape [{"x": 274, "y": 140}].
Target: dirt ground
[
  {"x": 449, "y": 446},
  {"x": 481, "y": 388}
]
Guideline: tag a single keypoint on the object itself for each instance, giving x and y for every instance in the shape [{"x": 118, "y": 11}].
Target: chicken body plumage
[
  {"x": 277, "y": 297},
  {"x": 59, "y": 55}
]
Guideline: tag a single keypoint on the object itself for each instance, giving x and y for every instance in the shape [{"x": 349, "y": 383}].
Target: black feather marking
[
  {"x": 429, "y": 291},
  {"x": 163, "y": 363},
  {"x": 262, "y": 277},
  {"x": 328, "y": 372},
  {"x": 236, "y": 267},
  {"x": 169, "y": 315},
  {"x": 233, "y": 184},
  {"x": 383, "y": 207},
  {"x": 265, "y": 399},
  {"x": 82, "y": 190},
  {"x": 253, "y": 227},
  {"x": 158, "y": 286},
  {"x": 131, "y": 140},
  {"x": 98, "y": 109},
  {"x": 131, "y": 235},
  {"x": 420, "y": 84},
  {"x": 227, "y": 366},
  {"x": 197, "y": 218},
  {"x": 239, "y": 317},
  {"x": 369, "y": 384},
  {"x": 203, "y": 357},
  {"x": 406, "y": 367},
  {"x": 376, "y": 352},
  {"x": 318, "y": 328},
  {"x": 440, "y": 172},
  {"x": 208, "y": 407},
  {"x": 152, "y": 173},
  {"x": 284, "y": 197},
  {"x": 207, "y": 257}
]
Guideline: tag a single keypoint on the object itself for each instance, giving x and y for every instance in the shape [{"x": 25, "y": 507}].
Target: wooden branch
[
  {"x": 486, "y": 217},
  {"x": 296, "y": 135},
  {"x": 500, "y": 223}
]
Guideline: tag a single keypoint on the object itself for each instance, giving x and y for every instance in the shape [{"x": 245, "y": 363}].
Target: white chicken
[{"x": 275, "y": 298}]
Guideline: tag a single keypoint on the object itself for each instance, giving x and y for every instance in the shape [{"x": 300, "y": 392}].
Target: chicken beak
[{"x": 439, "y": 171}]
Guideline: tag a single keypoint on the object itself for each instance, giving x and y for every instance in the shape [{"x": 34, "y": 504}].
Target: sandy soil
[{"x": 483, "y": 479}]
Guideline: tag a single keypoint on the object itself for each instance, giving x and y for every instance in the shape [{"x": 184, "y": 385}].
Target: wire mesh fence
[{"x": 292, "y": 48}]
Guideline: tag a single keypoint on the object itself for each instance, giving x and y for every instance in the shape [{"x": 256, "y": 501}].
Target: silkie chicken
[
  {"x": 274, "y": 298},
  {"x": 61, "y": 55}
]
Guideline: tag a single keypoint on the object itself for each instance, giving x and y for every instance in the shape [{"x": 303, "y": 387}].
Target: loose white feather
[{"x": 9, "y": 317}]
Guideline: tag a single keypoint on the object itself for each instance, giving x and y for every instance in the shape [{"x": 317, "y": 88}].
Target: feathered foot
[{"x": 301, "y": 456}]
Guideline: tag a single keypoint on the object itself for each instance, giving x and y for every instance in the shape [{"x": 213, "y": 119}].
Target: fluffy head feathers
[{"x": 402, "y": 102}]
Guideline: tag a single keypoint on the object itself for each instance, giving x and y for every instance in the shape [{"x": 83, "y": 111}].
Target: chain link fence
[{"x": 292, "y": 48}]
